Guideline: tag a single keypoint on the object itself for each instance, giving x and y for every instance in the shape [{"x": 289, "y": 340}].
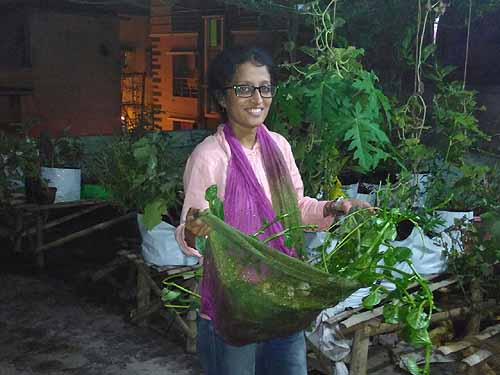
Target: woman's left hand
[{"x": 343, "y": 206}]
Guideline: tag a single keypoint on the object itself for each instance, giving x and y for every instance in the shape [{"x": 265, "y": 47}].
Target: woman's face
[{"x": 247, "y": 113}]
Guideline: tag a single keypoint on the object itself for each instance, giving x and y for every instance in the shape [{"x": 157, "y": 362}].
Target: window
[
  {"x": 213, "y": 44},
  {"x": 185, "y": 80},
  {"x": 10, "y": 109},
  {"x": 184, "y": 125}
]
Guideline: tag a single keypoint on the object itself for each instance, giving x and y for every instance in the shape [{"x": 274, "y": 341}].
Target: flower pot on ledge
[{"x": 66, "y": 180}]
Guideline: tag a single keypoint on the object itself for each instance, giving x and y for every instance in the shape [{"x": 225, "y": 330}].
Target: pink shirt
[{"x": 207, "y": 166}]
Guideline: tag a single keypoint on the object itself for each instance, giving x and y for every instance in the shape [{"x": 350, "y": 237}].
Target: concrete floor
[{"x": 46, "y": 328}]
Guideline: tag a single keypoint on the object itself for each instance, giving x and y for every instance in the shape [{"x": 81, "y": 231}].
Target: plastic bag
[{"x": 159, "y": 246}]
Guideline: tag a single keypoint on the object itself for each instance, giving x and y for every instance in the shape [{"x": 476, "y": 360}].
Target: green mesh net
[{"x": 260, "y": 293}]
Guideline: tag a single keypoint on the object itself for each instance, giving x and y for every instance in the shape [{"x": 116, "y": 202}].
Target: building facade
[
  {"x": 185, "y": 37},
  {"x": 59, "y": 69}
]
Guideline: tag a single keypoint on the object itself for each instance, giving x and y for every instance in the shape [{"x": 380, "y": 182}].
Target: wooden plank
[
  {"x": 84, "y": 232},
  {"x": 469, "y": 341},
  {"x": 40, "y": 257},
  {"x": 348, "y": 313},
  {"x": 54, "y": 206},
  {"x": 64, "y": 219},
  {"x": 377, "y": 312},
  {"x": 110, "y": 267},
  {"x": 454, "y": 347},
  {"x": 359, "y": 356},
  {"x": 376, "y": 327},
  {"x": 477, "y": 357},
  {"x": 343, "y": 315},
  {"x": 143, "y": 290}
]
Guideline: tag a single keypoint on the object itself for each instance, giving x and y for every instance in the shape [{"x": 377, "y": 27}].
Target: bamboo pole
[
  {"x": 84, "y": 232},
  {"x": 378, "y": 328},
  {"x": 64, "y": 219}
]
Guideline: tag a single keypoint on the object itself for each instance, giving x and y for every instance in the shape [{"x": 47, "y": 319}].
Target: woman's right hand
[{"x": 195, "y": 227}]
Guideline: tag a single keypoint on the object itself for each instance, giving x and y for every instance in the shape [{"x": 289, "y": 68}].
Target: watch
[{"x": 334, "y": 206}]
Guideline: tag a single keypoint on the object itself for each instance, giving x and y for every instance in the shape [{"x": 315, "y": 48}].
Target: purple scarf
[{"x": 246, "y": 205}]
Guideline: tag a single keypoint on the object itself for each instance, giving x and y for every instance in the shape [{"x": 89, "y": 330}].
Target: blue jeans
[{"x": 280, "y": 356}]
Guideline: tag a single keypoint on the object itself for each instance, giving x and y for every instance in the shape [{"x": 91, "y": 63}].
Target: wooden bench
[
  {"x": 361, "y": 325},
  {"x": 32, "y": 221},
  {"x": 149, "y": 290}
]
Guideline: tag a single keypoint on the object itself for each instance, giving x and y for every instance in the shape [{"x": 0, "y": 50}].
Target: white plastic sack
[
  {"x": 427, "y": 257},
  {"x": 66, "y": 180},
  {"x": 427, "y": 254},
  {"x": 351, "y": 190},
  {"x": 160, "y": 247}
]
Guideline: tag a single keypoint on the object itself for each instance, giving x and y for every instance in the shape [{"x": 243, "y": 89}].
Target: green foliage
[
  {"x": 18, "y": 160},
  {"x": 331, "y": 107},
  {"x": 464, "y": 188},
  {"x": 454, "y": 115},
  {"x": 364, "y": 253},
  {"x": 475, "y": 256},
  {"x": 65, "y": 151},
  {"x": 177, "y": 296},
  {"x": 140, "y": 173}
]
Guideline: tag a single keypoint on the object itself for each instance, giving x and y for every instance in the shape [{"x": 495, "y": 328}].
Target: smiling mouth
[{"x": 255, "y": 111}]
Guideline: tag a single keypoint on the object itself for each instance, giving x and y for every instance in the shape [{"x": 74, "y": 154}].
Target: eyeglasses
[{"x": 247, "y": 91}]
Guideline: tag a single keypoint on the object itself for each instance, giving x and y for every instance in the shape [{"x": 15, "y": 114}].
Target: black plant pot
[{"x": 37, "y": 193}]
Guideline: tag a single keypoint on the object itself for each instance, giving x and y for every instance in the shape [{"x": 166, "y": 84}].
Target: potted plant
[
  {"x": 140, "y": 173},
  {"x": 61, "y": 164},
  {"x": 20, "y": 169}
]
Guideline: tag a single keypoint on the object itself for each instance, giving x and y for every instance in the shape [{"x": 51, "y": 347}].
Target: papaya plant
[{"x": 331, "y": 107}]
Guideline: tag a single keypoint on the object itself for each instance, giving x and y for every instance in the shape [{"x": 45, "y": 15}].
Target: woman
[{"x": 238, "y": 159}]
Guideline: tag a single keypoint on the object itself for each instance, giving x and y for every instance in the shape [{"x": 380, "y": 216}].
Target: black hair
[{"x": 224, "y": 65}]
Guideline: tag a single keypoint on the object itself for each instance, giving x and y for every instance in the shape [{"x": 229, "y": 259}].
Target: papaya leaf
[{"x": 366, "y": 139}]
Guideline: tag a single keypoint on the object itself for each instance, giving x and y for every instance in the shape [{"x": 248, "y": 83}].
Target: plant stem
[
  {"x": 183, "y": 289},
  {"x": 288, "y": 230}
]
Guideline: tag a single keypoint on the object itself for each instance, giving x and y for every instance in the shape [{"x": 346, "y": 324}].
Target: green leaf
[
  {"x": 417, "y": 319},
  {"x": 402, "y": 253},
  {"x": 214, "y": 203},
  {"x": 320, "y": 104},
  {"x": 427, "y": 51},
  {"x": 419, "y": 337},
  {"x": 411, "y": 365},
  {"x": 391, "y": 313},
  {"x": 211, "y": 193},
  {"x": 372, "y": 299},
  {"x": 288, "y": 240},
  {"x": 366, "y": 139},
  {"x": 153, "y": 212},
  {"x": 217, "y": 208},
  {"x": 169, "y": 295}
]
